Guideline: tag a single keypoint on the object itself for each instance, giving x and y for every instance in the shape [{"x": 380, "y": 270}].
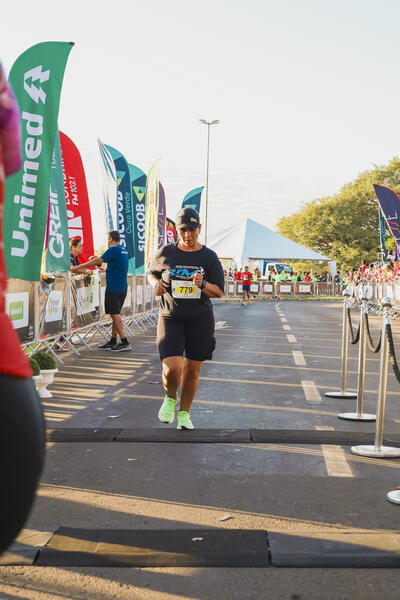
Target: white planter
[
  {"x": 37, "y": 380},
  {"x": 47, "y": 376}
]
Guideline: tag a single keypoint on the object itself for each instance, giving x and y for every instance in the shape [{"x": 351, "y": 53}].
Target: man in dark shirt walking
[{"x": 116, "y": 258}]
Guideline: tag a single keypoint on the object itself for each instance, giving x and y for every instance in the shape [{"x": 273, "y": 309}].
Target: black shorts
[
  {"x": 246, "y": 288},
  {"x": 190, "y": 337},
  {"x": 113, "y": 302}
]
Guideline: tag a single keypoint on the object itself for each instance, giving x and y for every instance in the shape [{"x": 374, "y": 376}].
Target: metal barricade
[
  {"x": 238, "y": 288},
  {"x": 304, "y": 289},
  {"x": 136, "y": 314},
  {"x": 20, "y": 307},
  {"x": 229, "y": 288},
  {"x": 140, "y": 301},
  {"x": 52, "y": 307},
  {"x": 283, "y": 288},
  {"x": 267, "y": 288},
  {"x": 255, "y": 288},
  {"x": 85, "y": 308}
]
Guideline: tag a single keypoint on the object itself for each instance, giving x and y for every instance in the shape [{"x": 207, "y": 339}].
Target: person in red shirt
[
  {"x": 364, "y": 266},
  {"x": 246, "y": 282},
  {"x": 22, "y": 428}
]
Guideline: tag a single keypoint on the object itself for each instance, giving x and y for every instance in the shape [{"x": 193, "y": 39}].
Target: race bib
[{"x": 185, "y": 289}]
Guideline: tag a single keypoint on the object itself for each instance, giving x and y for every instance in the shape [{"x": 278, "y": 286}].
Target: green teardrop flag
[
  {"x": 57, "y": 243},
  {"x": 36, "y": 78}
]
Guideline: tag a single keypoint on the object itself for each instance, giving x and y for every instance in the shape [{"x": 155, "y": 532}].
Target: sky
[{"x": 306, "y": 92}]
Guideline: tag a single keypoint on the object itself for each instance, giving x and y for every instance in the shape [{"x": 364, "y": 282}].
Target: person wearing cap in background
[{"x": 186, "y": 275}]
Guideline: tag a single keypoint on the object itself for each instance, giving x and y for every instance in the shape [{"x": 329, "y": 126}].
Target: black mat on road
[
  {"x": 194, "y": 436},
  {"x": 335, "y": 549},
  {"x": 227, "y": 436},
  {"x": 305, "y": 436},
  {"x": 71, "y": 547},
  {"x": 75, "y": 434}
]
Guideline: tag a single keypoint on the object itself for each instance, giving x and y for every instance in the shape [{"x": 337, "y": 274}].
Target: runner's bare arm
[
  {"x": 159, "y": 286},
  {"x": 210, "y": 289}
]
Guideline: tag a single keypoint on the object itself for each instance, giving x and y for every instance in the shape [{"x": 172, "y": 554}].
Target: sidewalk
[{"x": 238, "y": 497}]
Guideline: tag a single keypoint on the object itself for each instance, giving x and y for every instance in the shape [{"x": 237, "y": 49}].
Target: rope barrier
[
  {"x": 354, "y": 339},
  {"x": 374, "y": 349},
  {"x": 392, "y": 354}
]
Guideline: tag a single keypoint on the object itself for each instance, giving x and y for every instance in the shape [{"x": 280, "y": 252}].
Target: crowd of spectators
[
  {"x": 300, "y": 276},
  {"x": 376, "y": 271}
]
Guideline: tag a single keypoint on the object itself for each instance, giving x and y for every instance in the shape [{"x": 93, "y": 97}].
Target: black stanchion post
[
  {"x": 378, "y": 450},
  {"x": 359, "y": 415},
  {"x": 345, "y": 340}
]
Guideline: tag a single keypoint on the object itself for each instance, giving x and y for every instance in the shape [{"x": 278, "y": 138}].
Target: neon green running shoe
[
  {"x": 184, "y": 421},
  {"x": 166, "y": 414}
]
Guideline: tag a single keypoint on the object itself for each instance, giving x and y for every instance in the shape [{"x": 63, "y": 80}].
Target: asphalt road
[{"x": 272, "y": 365}]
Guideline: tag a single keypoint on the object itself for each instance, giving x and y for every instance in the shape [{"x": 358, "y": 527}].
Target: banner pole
[
  {"x": 36, "y": 312},
  {"x": 68, "y": 305},
  {"x": 136, "y": 319}
]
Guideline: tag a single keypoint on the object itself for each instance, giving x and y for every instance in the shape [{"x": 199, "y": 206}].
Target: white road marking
[
  {"x": 291, "y": 339},
  {"x": 221, "y": 325},
  {"x": 287, "y": 328},
  {"x": 335, "y": 458},
  {"x": 299, "y": 359},
  {"x": 310, "y": 391},
  {"x": 283, "y": 320}
]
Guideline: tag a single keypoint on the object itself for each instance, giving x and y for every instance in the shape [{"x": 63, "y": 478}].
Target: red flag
[
  {"x": 76, "y": 197},
  {"x": 171, "y": 231}
]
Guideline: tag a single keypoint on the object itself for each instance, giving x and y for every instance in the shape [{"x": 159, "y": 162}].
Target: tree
[{"x": 345, "y": 226}]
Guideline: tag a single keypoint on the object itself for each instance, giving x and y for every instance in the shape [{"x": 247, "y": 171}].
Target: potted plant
[
  {"x": 35, "y": 368},
  {"x": 48, "y": 368},
  {"x": 37, "y": 378}
]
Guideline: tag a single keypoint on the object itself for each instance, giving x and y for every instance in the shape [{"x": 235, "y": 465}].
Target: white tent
[{"x": 251, "y": 240}]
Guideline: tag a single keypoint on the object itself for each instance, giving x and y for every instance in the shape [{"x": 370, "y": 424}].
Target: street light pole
[{"x": 208, "y": 123}]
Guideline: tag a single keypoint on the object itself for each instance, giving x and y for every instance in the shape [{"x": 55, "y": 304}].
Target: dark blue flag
[
  {"x": 390, "y": 207},
  {"x": 124, "y": 205},
  {"x": 138, "y": 186}
]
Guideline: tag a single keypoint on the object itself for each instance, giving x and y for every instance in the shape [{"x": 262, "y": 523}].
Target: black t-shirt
[
  {"x": 74, "y": 261},
  {"x": 174, "y": 267}
]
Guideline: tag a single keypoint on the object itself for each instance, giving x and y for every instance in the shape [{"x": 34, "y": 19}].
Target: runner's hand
[
  {"x": 197, "y": 279},
  {"x": 160, "y": 288}
]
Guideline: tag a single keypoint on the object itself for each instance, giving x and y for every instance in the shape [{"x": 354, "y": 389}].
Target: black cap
[{"x": 187, "y": 217}]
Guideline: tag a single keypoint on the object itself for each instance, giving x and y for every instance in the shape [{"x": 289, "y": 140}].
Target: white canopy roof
[{"x": 250, "y": 239}]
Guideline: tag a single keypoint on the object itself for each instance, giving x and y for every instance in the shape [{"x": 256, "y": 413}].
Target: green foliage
[
  {"x": 34, "y": 366},
  {"x": 344, "y": 227},
  {"x": 309, "y": 265},
  {"x": 45, "y": 360},
  {"x": 391, "y": 245}
]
